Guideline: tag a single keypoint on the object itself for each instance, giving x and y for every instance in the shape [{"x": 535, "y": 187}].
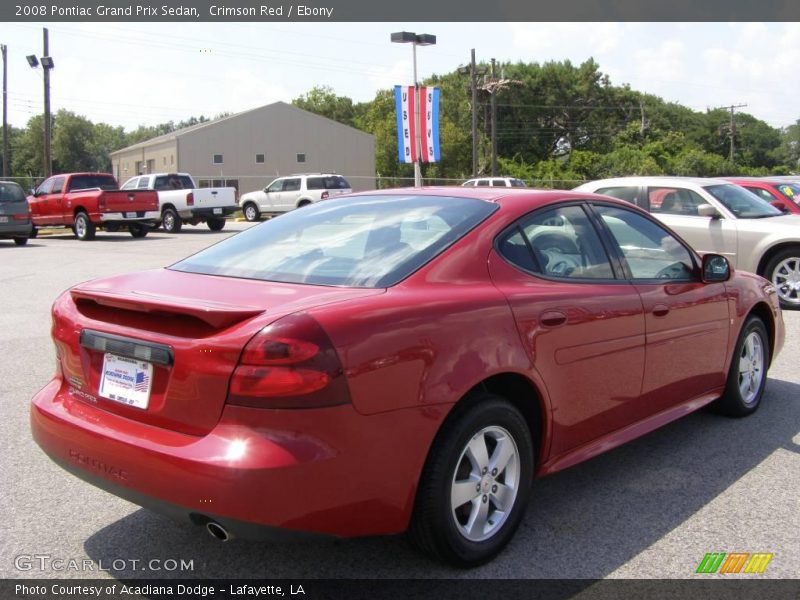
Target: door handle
[
  {"x": 660, "y": 310},
  {"x": 553, "y": 318}
]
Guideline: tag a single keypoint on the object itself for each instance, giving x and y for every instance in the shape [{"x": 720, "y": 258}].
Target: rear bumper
[
  {"x": 15, "y": 229},
  {"x": 326, "y": 471},
  {"x": 128, "y": 217},
  {"x": 206, "y": 212}
]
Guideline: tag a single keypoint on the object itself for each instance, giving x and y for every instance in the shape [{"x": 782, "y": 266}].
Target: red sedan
[
  {"x": 397, "y": 360},
  {"x": 782, "y": 194}
]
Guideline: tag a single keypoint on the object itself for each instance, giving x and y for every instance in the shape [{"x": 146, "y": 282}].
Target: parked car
[
  {"x": 494, "y": 182},
  {"x": 86, "y": 201},
  {"x": 182, "y": 202},
  {"x": 15, "y": 217},
  {"x": 783, "y": 195},
  {"x": 400, "y": 359},
  {"x": 287, "y": 193},
  {"x": 720, "y": 217}
]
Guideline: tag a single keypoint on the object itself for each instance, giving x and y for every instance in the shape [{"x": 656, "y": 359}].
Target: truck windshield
[
  {"x": 86, "y": 182},
  {"x": 742, "y": 203},
  {"x": 367, "y": 242}
]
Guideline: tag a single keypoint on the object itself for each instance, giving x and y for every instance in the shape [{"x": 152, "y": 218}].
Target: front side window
[
  {"x": 674, "y": 201},
  {"x": 650, "y": 250},
  {"x": 760, "y": 192},
  {"x": 482, "y": 183},
  {"x": 560, "y": 242},
  {"x": 791, "y": 191},
  {"x": 369, "y": 242},
  {"x": 291, "y": 185},
  {"x": 130, "y": 184},
  {"x": 144, "y": 183},
  {"x": 45, "y": 188},
  {"x": 58, "y": 185},
  {"x": 743, "y": 204},
  {"x": 627, "y": 193},
  {"x": 275, "y": 186},
  {"x": 517, "y": 183}
]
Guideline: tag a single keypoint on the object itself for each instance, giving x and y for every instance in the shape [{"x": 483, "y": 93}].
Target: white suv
[
  {"x": 287, "y": 193},
  {"x": 494, "y": 182}
]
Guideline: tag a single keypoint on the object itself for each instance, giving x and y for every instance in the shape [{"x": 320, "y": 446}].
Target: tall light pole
[
  {"x": 5, "y": 110},
  {"x": 421, "y": 39},
  {"x": 47, "y": 66}
]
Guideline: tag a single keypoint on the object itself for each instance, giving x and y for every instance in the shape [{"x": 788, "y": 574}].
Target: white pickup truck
[{"x": 181, "y": 201}]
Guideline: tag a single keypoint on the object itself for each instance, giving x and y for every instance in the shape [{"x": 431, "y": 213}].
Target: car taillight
[
  {"x": 190, "y": 199},
  {"x": 24, "y": 217},
  {"x": 289, "y": 364},
  {"x": 324, "y": 195},
  {"x": 101, "y": 203}
]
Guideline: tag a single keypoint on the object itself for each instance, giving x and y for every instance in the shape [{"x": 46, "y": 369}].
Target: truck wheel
[
  {"x": 251, "y": 212},
  {"x": 138, "y": 230},
  {"x": 84, "y": 229},
  {"x": 783, "y": 270},
  {"x": 170, "y": 221},
  {"x": 215, "y": 224}
]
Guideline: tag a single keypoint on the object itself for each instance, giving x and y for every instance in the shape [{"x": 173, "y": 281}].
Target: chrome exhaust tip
[{"x": 217, "y": 531}]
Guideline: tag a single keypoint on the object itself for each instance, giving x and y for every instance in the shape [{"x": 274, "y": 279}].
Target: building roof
[{"x": 172, "y": 135}]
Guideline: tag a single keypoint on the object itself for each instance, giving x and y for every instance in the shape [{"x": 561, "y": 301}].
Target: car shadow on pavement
[{"x": 585, "y": 522}]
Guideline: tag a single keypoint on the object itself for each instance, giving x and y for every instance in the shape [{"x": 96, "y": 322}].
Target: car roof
[{"x": 655, "y": 180}]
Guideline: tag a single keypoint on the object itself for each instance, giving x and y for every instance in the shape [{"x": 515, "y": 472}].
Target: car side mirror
[
  {"x": 780, "y": 206},
  {"x": 716, "y": 268},
  {"x": 706, "y": 210}
]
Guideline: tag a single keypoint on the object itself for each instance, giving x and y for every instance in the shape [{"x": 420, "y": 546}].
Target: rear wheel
[
  {"x": 84, "y": 229},
  {"x": 20, "y": 241},
  {"x": 475, "y": 485},
  {"x": 783, "y": 270},
  {"x": 251, "y": 212},
  {"x": 747, "y": 376},
  {"x": 170, "y": 220},
  {"x": 138, "y": 230},
  {"x": 215, "y": 224}
]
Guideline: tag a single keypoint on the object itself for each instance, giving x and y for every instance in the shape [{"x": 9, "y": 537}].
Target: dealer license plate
[
  {"x": 217, "y": 211},
  {"x": 126, "y": 380},
  {"x": 130, "y": 215},
  {"x": 3, "y": 219}
]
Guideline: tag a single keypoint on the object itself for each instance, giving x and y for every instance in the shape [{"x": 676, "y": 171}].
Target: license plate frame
[
  {"x": 131, "y": 215},
  {"x": 125, "y": 380},
  {"x": 217, "y": 211}
]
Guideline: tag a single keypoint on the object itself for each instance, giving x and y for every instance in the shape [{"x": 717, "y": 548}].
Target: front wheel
[
  {"x": 251, "y": 212},
  {"x": 215, "y": 224},
  {"x": 138, "y": 230},
  {"x": 747, "y": 376},
  {"x": 84, "y": 229},
  {"x": 475, "y": 485},
  {"x": 783, "y": 270}
]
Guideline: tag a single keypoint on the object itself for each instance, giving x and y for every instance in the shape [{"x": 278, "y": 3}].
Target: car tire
[
  {"x": 485, "y": 429},
  {"x": 171, "y": 221},
  {"x": 83, "y": 228},
  {"x": 215, "y": 224},
  {"x": 138, "y": 230},
  {"x": 251, "y": 212},
  {"x": 783, "y": 270},
  {"x": 303, "y": 203},
  {"x": 20, "y": 241},
  {"x": 747, "y": 375}
]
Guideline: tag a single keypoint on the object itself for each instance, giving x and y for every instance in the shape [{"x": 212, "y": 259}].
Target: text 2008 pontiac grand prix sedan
[{"x": 397, "y": 360}]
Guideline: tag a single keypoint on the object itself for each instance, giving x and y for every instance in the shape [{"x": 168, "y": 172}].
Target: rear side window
[
  {"x": 11, "y": 192},
  {"x": 674, "y": 201},
  {"x": 560, "y": 243},
  {"x": 517, "y": 183},
  {"x": 790, "y": 191},
  {"x": 482, "y": 183},
  {"x": 333, "y": 182}
]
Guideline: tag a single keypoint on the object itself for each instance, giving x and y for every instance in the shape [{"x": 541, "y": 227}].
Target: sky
[{"x": 132, "y": 74}]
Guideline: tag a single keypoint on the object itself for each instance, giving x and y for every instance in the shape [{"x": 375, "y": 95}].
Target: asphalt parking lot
[{"x": 650, "y": 509}]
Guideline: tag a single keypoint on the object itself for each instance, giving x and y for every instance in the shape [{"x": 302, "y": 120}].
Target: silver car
[
  {"x": 15, "y": 217},
  {"x": 718, "y": 217}
]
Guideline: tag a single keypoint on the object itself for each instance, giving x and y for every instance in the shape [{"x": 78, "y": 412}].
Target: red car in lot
[
  {"x": 782, "y": 194},
  {"x": 397, "y": 360}
]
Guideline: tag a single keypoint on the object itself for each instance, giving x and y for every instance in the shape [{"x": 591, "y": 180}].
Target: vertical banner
[{"x": 428, "y": 123}]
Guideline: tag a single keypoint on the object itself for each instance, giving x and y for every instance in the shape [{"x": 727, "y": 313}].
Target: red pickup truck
[{"x": 86, "y": 201}]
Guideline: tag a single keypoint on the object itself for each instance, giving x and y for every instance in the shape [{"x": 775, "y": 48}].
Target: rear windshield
[
  {"x": 368, "y": 242},
  {"x": 333, "y": 182},
  {"x": 173, "y": 182},
  {"x": 11, "y": 192},
  {"x": 85, "y": 182},
  {"x": 742, "y": 203}
]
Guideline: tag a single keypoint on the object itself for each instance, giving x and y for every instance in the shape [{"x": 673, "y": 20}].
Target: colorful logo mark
[{"x": 734, "y": 562}]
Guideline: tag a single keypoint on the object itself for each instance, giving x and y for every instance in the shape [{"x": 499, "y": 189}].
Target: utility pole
[
  {"x": 4, "y": 50},
  {"x": 493, "y": 102},
  {"x": 474, "y": 85},
  {"x": 732, "y": 108},
  {"x": 48, "y": 161}
]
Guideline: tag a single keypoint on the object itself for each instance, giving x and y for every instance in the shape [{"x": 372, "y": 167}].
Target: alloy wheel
[{"x": 751, "y": 367}]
